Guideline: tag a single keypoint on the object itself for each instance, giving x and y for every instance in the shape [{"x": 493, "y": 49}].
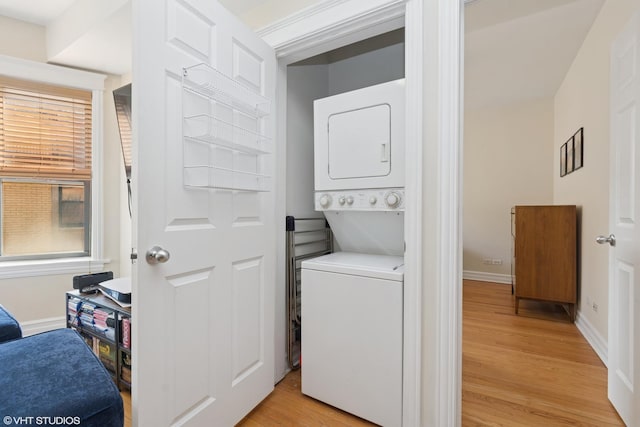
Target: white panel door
[
  {"x": 204, "y": 320},
  {"x": 624, "y": 283}
]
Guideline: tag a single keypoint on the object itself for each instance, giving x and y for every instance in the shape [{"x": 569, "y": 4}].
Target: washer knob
[
  {"x": 325, "y": 200},
  {"x": 350, "y": 200},
  {"x": 341, "y": 200},
  {"x": 373, "y": 200},
  {"x": 392, "y": 199}
]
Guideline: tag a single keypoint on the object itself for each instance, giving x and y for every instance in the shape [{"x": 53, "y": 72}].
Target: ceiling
[
  {"x": 514, "y": 50},
  {"x": 39, "y": 12},
  {"x": 520, "y": 50},
  {"x": 42, "y": 12}
]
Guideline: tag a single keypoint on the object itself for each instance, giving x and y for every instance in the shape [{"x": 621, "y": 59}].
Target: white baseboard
[
  {"x": 33, "y": 327},
  {"x": 592, "y": 336},
  {"x": 487, "y": 277}
]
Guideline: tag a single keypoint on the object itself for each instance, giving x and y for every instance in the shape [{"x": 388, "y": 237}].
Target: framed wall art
[
  {"x": 572, "y": 153},
  {"x": 578, "y": 156}
]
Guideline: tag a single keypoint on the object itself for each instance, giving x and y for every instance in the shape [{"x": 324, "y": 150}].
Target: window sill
[{"x": 48, "y": 267}]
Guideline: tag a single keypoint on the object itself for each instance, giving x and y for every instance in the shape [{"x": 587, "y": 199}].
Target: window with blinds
[{"x": 45, "y": 170}]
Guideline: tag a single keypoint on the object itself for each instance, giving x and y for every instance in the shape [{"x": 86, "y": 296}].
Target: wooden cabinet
[{"x": 546, "y": 255}]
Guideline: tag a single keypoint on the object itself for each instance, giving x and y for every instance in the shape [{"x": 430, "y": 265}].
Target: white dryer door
[
  {"x": 360, "y": 143},
  {"x": 357, "y": 137}
]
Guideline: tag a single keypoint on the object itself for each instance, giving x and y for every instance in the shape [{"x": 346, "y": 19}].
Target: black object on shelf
[{"x": 89, "y": 283}]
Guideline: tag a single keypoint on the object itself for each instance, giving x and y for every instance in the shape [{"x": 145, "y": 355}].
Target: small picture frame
[
  {"x": 572, "y": 153},
  {"x": 578, "y": 152},
  {"x": 570, "y": 156}
]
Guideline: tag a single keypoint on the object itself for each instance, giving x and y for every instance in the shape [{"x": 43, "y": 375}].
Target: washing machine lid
[{"x": 386, "y": 267}]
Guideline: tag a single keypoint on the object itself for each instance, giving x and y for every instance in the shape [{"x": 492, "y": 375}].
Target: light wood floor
[
  {"x": 534, "y": 369},
  {"x": 287, "y": 406},
  {"x": 527, "y": 370},
  {"x": 126, "y": 399}
]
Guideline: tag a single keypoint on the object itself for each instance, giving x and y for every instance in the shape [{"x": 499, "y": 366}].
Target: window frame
[{"x": 67, "y": 77}]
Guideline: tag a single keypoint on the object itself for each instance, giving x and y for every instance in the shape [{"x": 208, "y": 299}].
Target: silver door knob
[
  {"x": 157, "y": 255},
  {"x": 611, "y": 240}
]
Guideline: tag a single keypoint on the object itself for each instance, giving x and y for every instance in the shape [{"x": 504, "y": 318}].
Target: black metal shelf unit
[{"x": 106, "y": 328}]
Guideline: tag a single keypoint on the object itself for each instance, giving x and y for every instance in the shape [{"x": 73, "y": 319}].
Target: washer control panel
[{"x": 384, "y": 199}]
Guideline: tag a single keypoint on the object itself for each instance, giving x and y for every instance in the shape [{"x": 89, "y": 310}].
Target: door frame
[{"x": 432, "y": 352}]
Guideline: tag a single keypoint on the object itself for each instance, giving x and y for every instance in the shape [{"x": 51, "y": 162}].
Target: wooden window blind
[{"x": 45, "y": 131}]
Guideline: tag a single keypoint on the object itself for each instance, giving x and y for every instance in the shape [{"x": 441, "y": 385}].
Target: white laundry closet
[{"x": 366, "y": 215}]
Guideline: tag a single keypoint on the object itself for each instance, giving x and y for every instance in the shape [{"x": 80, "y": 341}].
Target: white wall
[
  {"x": 269, "y": 11},
  {"x": 117, "y": 223},
  {"x": 367, "y": 69},
  {"x": 305, "y": 83},
  {"x": 125, "y": 216},
  {"x": 22, "y": 40},
  {"x": 41, "y": 299},
  {"x": 508, "y": 152},
  {"x": 583, "y": 101}
]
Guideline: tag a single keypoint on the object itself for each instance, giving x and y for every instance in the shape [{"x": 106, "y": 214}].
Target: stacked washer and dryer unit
[{"x": 352, "y": 299}]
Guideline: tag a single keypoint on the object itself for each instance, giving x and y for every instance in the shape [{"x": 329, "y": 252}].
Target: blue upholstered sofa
[{"x": 54, "y": 379}]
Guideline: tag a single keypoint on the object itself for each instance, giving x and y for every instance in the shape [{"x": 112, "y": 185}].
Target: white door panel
[
  {"x": 624, "y": 325},
  {"x": 204, "y": 320},
  {"x": 360, "y": 151}
]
